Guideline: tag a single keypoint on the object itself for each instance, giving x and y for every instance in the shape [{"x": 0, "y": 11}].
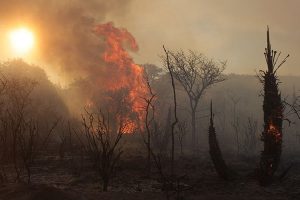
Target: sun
[{"x": 22, "y": 40}]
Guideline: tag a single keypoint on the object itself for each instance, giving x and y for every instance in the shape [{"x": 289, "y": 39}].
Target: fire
[
  {"x": 273, "y": 130},
  {"x": 120, "y": 68},
  {"x": 130, "y": 127}
]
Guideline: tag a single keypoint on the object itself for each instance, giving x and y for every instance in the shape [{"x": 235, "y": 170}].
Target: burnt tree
[
  {"x": 273, "y": 116},
  {"x": 171, "y": 72},
  {"x": 102, "y": 141},
  {"x": 149, "y": 121},
  {"x": 215, "y": 151}
]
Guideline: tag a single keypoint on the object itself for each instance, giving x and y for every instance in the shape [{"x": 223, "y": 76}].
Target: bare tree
[
  {"x": 30, "y": 141},
  {"x": 196, "y": 74},
  {"x": 149, "y": 121},
  {"x": 17, "y": 104},
  {"x": 171, "y": 72},
  {"x": 293, "y": 106},
  {"x": 171, "y": 182},
  {"x": 20, "y": 129},
  {"x": 102, "y": 141}
]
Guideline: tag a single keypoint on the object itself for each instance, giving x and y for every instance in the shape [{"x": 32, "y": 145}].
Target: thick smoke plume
[
  {"x": 90, "y": 59},
  {"x": 66, "y": 44}
]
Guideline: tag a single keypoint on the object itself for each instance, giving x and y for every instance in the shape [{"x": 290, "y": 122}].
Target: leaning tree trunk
[
  {"x": 273, "y": 118},
  {"x": 215, "y": 151}
]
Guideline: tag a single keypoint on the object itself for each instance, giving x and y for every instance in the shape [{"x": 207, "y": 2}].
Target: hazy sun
[{"x": 22, "y": 40}]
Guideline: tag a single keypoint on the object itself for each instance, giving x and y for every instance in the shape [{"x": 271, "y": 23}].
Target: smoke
[
  {"x": 71, "y": 46},
  {"x": 66, "y": 44}
]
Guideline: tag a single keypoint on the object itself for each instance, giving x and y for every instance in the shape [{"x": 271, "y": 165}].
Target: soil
[{"x": 66, "y": 179}]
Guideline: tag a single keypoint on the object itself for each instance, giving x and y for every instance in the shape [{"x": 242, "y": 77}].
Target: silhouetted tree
[
  {"x": 149, "y": 121},
  {"x": 215, "y": 151},
  {"x": 30, "y": 142},
  {"x": 171, "y": 70},
  {"x": 196, "y": 74},
  {"x": 103, "y": 130},
  {"x": 102, "y": 142},
  {"x": 273, "y": 116}
]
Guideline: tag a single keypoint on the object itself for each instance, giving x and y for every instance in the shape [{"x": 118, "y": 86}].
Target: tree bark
[
  {"x": 215, "y": 151},
  {"x": 273, "y": 118},
  {"x": 175, "y": 111}
]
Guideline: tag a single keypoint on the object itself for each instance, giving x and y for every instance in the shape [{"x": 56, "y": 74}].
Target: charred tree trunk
[
  {"x": 175, "y": 121},
  {"x": 149, "y": 119},
  {"x": 215, "y": 151},
  {"x": 273, "y": 118}
]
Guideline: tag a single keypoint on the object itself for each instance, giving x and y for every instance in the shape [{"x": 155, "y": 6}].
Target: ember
[{"x": 273, "y": 130}]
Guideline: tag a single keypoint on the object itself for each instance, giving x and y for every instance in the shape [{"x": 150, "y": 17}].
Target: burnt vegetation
[
  {"x": 273, "y": 109},
  {"x": 215, "y": 151},
  {"x": 153, "y": 134}
]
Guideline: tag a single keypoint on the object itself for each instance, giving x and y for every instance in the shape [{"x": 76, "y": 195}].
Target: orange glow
[
  {"x": 273, "y": 130},
  {"x": 130, "y": 127},
  {"x": 123, "y": 72}
]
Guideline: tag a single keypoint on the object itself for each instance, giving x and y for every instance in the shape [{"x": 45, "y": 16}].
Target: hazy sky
[{"x": 232, "y": 30}]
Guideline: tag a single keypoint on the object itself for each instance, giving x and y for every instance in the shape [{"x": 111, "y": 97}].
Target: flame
[
  {"x": 130, "y": 127},
  {"x": 120, "y": 68},
  {"x": 273, "y": 130}
]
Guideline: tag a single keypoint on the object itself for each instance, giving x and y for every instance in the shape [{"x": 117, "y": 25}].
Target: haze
[
  {"x": 149, "y": 99},
  {"x": 233, "y": 30}
]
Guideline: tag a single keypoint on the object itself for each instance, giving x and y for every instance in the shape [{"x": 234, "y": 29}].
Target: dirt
[
  {"x": 35, "y": 192},
  {"x": 61, "y": 180}
]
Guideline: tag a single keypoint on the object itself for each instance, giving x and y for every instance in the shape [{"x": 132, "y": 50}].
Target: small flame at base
[{"x": 273, "y": 130}]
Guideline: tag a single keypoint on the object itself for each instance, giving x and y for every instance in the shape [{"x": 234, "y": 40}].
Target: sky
[{"x": 232, "y": 30}]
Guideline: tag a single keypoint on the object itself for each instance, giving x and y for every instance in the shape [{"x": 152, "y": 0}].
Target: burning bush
[{"x": 120, "y": 70}]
